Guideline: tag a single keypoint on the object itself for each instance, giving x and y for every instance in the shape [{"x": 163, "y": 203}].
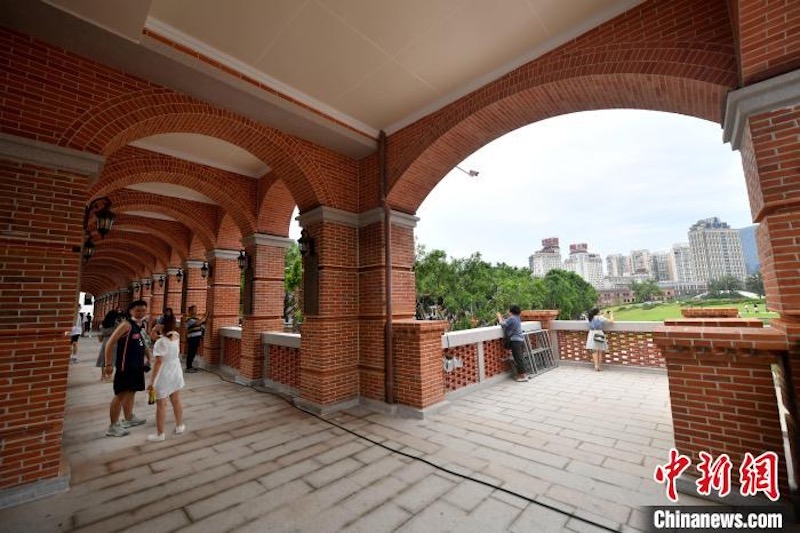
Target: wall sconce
[
  {"x": 243, "y": 260},
  {"x": 88, "y": 249},
  {"x": 147, "y": 284},
  {"x": 161, "y": 280},
  {"x": 179, "y": 275},
  {"x": 205, "y": 270},
  {"x": 104, "y": 218},
  {"x": 135, "y": 287},
  {"x": 471, "y": 173},
  {"x": 305, "y": 243}
]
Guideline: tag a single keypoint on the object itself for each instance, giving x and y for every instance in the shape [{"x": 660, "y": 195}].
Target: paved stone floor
[{"x": 577, "y": 441}]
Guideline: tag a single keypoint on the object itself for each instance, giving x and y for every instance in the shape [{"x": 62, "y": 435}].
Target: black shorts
[
  {"x": 128, "y": 381},
  {"x": 74, "y": 339}
]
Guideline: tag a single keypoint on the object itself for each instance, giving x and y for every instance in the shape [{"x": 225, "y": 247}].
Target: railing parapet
[
  {"x": 473, "y": 336},
  {"x": 233, "y": 332},
  {"x": 273, "y": 338}
]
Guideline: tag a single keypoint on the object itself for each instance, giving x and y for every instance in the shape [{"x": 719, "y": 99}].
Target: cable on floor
[{"x": 420, "y": 459}]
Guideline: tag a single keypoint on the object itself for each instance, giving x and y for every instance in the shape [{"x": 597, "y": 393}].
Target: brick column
[
  {"x": 222, "y": 301},
  {"x": 543, "y": 316},
  {"x": 267, "y": 261},
  {"x": 722, "y": 390},
  {"x": 372, "y": 299},
  {"x": 157, "y": 289},
  {"x": 330, "y": 331},
  {"x": 196, "y": 286},
  {"x": 43, "y": 190},
  {"x": 419, "y": 382},
  {"x": 762, "y": 121},
  {"x": 146, "y": 292},
  {"x": 124, "y": 299},
  {"x": 174, "y": 290}
]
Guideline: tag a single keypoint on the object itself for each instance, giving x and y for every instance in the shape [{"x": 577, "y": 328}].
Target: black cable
[{"x": 420, "y": 459}]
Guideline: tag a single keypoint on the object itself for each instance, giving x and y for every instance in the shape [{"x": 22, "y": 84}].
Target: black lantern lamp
[
  {"x": 305, "y": 243},
  {"x": 88, "y": 249},
  {"x": 161, "y": 280},
  {"x": 205, "y": 270},
  {"x": 243, "y": 260},
  {"x": 147, "y": 284},
  {"x": 104, "y": 218},
  {"x": 179, "y": 275},
  {"x": 135, "y": 287}
]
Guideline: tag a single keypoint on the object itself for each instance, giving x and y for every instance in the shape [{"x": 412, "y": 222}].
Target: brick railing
[
  {"x": 475, "y": 355},
  {"x": 629, "y": 343},
  {"x": 282, "y": 361}
]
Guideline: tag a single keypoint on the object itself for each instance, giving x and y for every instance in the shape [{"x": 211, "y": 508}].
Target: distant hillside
[{"x": 750, "y": 249}]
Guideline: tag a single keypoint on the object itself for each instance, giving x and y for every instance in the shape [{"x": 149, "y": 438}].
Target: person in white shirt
[{"x": 167, "y": 382}]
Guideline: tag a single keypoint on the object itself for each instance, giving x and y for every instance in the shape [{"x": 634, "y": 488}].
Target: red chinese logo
[
  {"x": 671, "y": 471},
  {"x": 760, "y": 474},
  {"x": 756, "y": 474}
]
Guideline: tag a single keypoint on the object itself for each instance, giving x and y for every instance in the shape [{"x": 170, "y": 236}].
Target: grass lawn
[{"x": 660, "y": 312}]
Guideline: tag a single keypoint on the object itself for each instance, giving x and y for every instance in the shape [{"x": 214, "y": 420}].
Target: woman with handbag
[{"x": 596, "y": 340}]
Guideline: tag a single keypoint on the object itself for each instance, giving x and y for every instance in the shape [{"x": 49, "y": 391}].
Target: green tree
[
  {"x": 646, "y": 291},
  {"x": 567, "y": 292},
  {"x": 755, "y": 283},
  {"x": 292, "y": 278}
]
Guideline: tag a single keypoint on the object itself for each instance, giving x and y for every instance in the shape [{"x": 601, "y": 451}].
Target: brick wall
[
  {"x": 38, "y": 294},
  {"x": 231, "y": 352},
  {"x": 626, "y": 348},
  {"x": 284, "y": 365},
  {"x": 760, "y": 21}
]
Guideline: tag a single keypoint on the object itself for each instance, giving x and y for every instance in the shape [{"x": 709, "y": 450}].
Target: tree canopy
[{"x": 469, "y": 292}]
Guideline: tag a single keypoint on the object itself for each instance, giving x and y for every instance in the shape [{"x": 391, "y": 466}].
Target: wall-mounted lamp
[
  {"x": 243, "y": 260},
  {"x": 205, "y": 270},
  {"x": 471, "y": 173},
  {"x": 135, "y": 287},
  {"x": 305, "y": 243},
  {"x": 88, "y": 249},
  {"x": 161, "y": 280},
  {"x": 147, "y": 284},
  {"x": 179, "y": 275}
]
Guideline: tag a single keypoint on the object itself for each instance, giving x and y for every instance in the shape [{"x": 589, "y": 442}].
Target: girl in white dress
[{"x": 167, "y": 381}]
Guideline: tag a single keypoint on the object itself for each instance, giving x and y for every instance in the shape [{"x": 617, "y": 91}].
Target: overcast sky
[{"x": 617, "y": 180}]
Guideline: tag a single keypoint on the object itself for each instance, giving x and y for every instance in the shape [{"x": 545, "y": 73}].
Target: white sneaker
[
  {"x": 156, "y": 437},
  {"x": 180, "y": 429},
  {"x": 133, "y": 422}
]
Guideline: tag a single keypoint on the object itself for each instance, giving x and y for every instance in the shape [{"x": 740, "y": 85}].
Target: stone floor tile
[
  {"x": 467, "y": 495},
  {"x": 330, "y": 473},
  {"x": 224, "y": 500},
  {"x": 421, "y": 493},
  {"x": 438, "y": 516},
  {"x": 387, "y": 517}
]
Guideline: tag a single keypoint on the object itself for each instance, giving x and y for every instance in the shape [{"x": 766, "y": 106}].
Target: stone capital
[
  {"x": 49, "y": 155},
  {"x": 769, "y": 95},
  {"x": 264, "y": 239}
]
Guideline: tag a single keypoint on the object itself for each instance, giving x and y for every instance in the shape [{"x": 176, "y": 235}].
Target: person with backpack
[
  {"x": 195, "y": 328},
  {"x": 512, "y": 330},
  {"x": 596, "y": 340}
]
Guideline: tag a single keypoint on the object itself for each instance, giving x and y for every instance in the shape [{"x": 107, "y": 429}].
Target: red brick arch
[
  {"x": 276, "y": 206},
  {"x": 123, "y": 119},
  {"x": 233, "y": 193},
  {"x": 149, "y": 250},
  {"x": 229, "y": 236},
  {"x": 101, "y": 282},
  {"x": 174, "y": 234},
  {"x": 641, "y": 60},
  {"x": 131, "y": 262},
  {"x": 200, "y": 219}
]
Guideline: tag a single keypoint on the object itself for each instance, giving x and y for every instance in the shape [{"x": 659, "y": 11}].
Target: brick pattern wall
[
  {"x": 231, "y": 352},
  {"x": 284, "y": 365},
  {"x": 626, "y": 348},
  {"x": 496, "y": 358},
  {"x": 418, "y": 362},
  {"x": 38, "y": 295},
  {"x": 466, "y": 375},
  {"x": 760, "y": 21}
]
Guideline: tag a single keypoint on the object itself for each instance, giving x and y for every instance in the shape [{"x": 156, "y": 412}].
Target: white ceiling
[{"x": 371, "y": 65}]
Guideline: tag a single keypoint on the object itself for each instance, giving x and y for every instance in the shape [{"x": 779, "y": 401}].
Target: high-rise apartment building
[
  {"x": 618, "y": 265},
  {"x": 546, "y": 259},
  {"x": 717, "y": 250},
  {"x": 681, "y": 262},
  {"x": 640, "y": 262},
  {"x": 659, "y": 266},
  {"x": 586, "y": 265}
]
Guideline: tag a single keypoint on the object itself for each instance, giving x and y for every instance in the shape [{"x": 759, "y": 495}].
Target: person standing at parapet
[
  {"x": 512, "y": 327},
  {"x": 195, "y": 326},
  {"x": 131, "y": 357}
]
